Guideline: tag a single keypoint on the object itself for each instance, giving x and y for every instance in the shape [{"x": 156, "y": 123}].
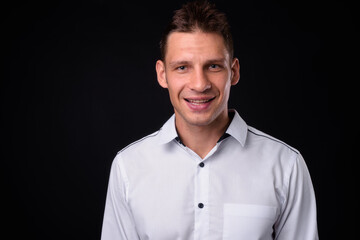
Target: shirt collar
[
  {"x": 167, "y": 132},
  {"x": 237, "y": 129}
]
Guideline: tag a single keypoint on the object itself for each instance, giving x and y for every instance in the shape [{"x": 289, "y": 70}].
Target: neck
[{"x": 202, "y": 138}]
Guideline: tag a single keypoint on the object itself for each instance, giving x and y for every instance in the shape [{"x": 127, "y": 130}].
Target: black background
[{"x": 78, "y": 84}]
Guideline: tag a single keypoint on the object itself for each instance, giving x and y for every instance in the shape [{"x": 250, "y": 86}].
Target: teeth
[{"x": 199, "y": 101}]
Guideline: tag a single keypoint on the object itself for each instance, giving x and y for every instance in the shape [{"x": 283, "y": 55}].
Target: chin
[{"x": 199, "y": 119}]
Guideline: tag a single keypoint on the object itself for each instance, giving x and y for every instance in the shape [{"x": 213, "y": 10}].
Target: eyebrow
[
  {"x": 183, "y": 62},
  {"x": 177, "y": 63},
  {"x": 217, "y": 60}
]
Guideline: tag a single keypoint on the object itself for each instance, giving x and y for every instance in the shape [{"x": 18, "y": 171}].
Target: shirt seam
[
  {"x": 140, "y": 140},
  {"x": 124, "y": 177},
  {"x": 286, "y": 183},
  {"x": 275, "y": 140}
]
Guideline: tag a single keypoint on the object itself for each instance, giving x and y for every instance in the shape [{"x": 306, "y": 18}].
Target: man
[{"x": 206, "y": 174}]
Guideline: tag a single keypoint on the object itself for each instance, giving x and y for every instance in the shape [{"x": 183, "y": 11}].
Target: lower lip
[{"x": 199, "y": 107}]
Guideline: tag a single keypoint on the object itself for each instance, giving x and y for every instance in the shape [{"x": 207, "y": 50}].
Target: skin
[{"x": 198, "y": 73}]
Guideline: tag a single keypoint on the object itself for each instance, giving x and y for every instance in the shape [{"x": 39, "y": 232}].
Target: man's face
[{"x": 198, "y": 74}]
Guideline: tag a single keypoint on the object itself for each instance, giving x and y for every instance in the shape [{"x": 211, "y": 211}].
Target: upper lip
[{"x": 199, "y": 98}]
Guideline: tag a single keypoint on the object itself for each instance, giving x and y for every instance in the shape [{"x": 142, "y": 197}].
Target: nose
[{"x": 199, "y": 82}]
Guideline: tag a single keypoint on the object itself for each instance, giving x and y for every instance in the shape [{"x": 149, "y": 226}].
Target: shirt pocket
[{"x": 250, "y": 222}]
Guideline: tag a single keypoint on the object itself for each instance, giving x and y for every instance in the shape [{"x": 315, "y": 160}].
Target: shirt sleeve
[
  {"x": 118, "y": 222},
  {"x": 298, "y": 217}
]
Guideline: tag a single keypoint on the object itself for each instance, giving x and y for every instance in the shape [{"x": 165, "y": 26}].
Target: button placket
[
  {"x": 201, "y": 193},
  {"x": 201, "y": 200}
]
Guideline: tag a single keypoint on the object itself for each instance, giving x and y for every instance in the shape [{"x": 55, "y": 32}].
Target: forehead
[{"x": 195, "y": 45}]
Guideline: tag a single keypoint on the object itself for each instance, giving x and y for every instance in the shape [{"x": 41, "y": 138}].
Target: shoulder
[
  {"x": 283, "y": 158},
  {"x": 266, "y": 142},
  {"x": 144, "y": 143}
]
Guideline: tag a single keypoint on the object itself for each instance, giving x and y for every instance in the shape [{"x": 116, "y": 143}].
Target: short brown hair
[{"x": 198, "y": 15}]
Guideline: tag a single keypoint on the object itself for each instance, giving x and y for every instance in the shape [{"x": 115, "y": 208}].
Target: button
[
  {"x": 200, "y": 205},
  {"x": 201, "y": 164}
]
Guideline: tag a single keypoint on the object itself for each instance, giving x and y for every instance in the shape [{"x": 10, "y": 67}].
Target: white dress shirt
[{"x": 250, "y": 186}]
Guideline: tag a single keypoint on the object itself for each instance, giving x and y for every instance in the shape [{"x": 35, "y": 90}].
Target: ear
[
  {"x": 161, "y": 74},
  {"x": 235, "y": 71}
]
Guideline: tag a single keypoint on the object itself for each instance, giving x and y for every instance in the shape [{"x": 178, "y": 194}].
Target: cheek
[
  {"x": 174, "y": 91},
  {"x": 175, "y": 84},
  {"x": 223, "y": 85}
]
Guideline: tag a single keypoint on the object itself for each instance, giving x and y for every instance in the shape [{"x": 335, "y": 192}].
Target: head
[
  {"x": 198, "y": 16},
  {"x": 197, "y": 65}
]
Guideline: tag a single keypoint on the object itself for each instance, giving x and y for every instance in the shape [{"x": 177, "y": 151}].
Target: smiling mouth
[{"x": 199, "y": 101}]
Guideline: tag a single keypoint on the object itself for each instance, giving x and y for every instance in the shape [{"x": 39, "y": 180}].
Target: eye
[
  {"x": 181, "y": 68},
  {"x": 214, "y": 67}
]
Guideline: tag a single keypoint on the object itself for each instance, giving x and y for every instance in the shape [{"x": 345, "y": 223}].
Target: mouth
[
  {"x": 199, "y": 101},
  {"x": 199, "y": 104}
]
